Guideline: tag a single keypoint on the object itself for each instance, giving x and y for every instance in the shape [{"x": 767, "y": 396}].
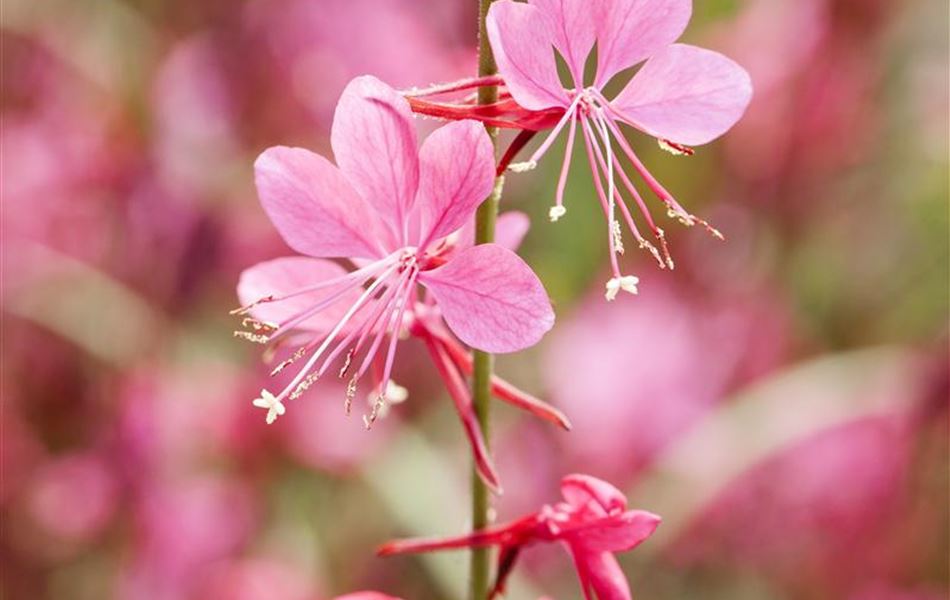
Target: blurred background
[{"x": 781, "y": 398}]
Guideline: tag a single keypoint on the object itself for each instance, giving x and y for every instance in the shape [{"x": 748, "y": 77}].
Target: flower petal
[
  {"x": 521, "y": 37},
  {"x": 618, "y": 533},
  {"x": 580, "y": 489},
  {"x": 574, "y": 32},
  {"x": 600, "y": 572},
  {"x": 283, "y": 276},
  {"x": 686, "y": 94},
  {"x": 312, "y": 205},
  {"x": 374, "y": 142},
  {"x": 629, "y": 31},
  {"x": 457, "y": 172},
  {"x": 491, "y": 299}
]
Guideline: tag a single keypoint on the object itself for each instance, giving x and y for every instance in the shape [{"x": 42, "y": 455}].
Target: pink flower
[
  {"x": 397, "y": 212},
  {"x": 682, "y": 95},
  {"x": 592, "y": 522}
]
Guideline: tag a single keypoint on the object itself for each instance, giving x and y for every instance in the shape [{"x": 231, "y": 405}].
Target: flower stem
[{"x": 482, "y": 361}]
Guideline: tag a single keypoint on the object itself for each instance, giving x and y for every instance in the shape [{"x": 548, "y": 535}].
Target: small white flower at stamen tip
[
  {"x": 274, "y": 406},
  {"x": 627, "y": 283},
  {"x": 522, "y": 167},
  {"x": 556, "y": 213}
]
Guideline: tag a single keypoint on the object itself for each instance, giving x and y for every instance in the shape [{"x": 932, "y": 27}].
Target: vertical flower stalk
[{"x": 482, "y": 361}]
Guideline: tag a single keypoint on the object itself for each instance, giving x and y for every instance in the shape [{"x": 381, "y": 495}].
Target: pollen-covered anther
[
  {"x": 645, "y": 245},
  {"x": 674, "y": 148},
  {"x": 302, "y": 387},
  {"x": 523, "y": 167},
  {"x": 617, "y": 234},
  {"x": 346, "y": 363},
  {"x": 257, "y": 338},
  {"x": 243, "y": 310},
  {"x": 286, "y": 363},
  {"x": 350, "y": 394},
  {"x": 374, "y": 414},
  {"x": 261, "y": 326},
  {"x": 627, "y": 283},
  {"x": 556, "y": 213}
]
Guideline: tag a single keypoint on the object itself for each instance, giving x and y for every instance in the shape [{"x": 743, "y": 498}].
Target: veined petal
[
  {"x": 374, "y": 142},
  {"x": 491, "y": 299},
  {"x": 601, "y": 573},
  {"x": 686, "y": 94},
  {"x": 457, "y": 172},
  {"x": 574, "y": 31},
  {"x": 618, "y": 533},
  {"x": 580, "y": 489},
  {"x": 629, "y": 31},
  {"x": 521, "y": 37},
  {"x": 283, "y": 276},
  {"x": 313, "y": 206}
]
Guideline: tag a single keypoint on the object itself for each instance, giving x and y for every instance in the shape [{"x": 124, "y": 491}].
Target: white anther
[
  {"x": 522, "y": 167},
  {"x": 274, "y": 406},
  {"x": 556, "y": 213}
]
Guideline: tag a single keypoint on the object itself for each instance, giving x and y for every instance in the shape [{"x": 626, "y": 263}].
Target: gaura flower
[
  {"x": 398, "y": 213},
  {"x": 592, "y": 522},
  {"x": 682, "y": 95}
]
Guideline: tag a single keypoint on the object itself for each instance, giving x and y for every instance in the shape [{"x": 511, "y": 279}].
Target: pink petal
[
  {"x": 686, "y": 94},
  {"x": 285, "y": 275},
  {"x": 374, "y": 142},
  {"x": 312, "y": 205},
  {"x": 629, "y": 31},
  {"x": 619, "y": 533},
  {"x": 574, "y": 31},
  {"x": 457, "y": 172},
  {"x": 510, "y": 229},
  {"x": 580, "y": 489},
  {"x": 601, "y": 573},
  {"x": 491, "y": 299},
  {"x": 521, "y": 37}
]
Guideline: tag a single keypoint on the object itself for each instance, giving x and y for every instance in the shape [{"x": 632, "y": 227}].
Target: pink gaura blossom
[
  {"x": 682, "y": 95},
  {"x": 399, "y": 214},
  {"x": 592, "y": 522}
]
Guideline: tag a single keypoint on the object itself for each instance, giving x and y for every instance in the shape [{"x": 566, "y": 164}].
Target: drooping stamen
[
  {"x": 598, "y": 186},
  {"x": 364, "y": 297},
  {"x": 455, "y": 86},
  {"x": 257, "y": 338},
  {"x": 557, "y": 211},
  {"x": 643, "y": 243},
  {"x": 393, "y": 341},
  {"x": 675, "y": 210}
]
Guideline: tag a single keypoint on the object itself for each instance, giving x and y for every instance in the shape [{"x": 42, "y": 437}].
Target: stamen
[
  {"x": 243, "y": 310},
  {"x": 522, "y": 167},
  {"x": 256, "y": 325},
  {"x": 346, "y": 363},
  {"x": 302, "y": 387},
  {"x": 374, "y": 414},
  {"x": 674, "y": 148}
]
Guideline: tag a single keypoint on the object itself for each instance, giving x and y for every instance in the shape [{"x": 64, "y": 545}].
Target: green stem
[{"x": 483, "y": 362}]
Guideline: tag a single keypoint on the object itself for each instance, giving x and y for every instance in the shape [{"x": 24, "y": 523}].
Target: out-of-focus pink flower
[
  {"x": 395, "y": 211},
  {"x": 182, "y": 529},
  {"x": 311, "y": 43},
  {"x": 592, "y": 522},
  {"x": 821, "y": 512},
  {"x": 74, "y": 497},
  {"x": 634, "y": 376},
  {"x": 253, "y": 579}
]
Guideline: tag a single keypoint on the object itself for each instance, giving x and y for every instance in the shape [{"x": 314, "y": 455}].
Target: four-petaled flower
[
  {"x": 682, "y": 95},
  {"x": 592, "y": 522},
  {"x": 399, "y": 213}
]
